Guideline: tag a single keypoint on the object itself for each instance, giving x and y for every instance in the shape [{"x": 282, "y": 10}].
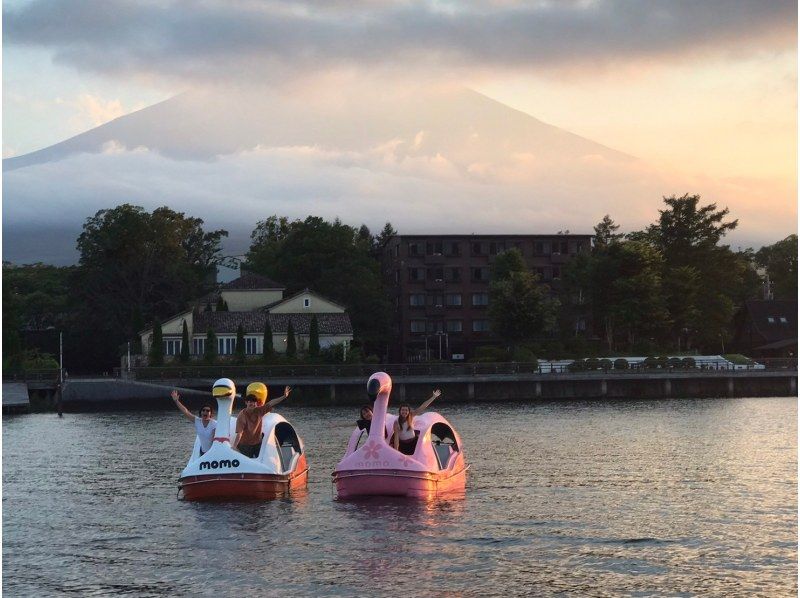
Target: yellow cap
[{"x": 257, "y": 390}]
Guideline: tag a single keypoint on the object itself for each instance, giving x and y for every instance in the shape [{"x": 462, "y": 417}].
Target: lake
[{"x": 584, "y": 498}]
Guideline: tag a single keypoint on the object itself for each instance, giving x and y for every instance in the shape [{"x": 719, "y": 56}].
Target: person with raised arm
[
  {"x": 248, "y": 423},
  {"x": 404, "y": 437},
  {"x": 205, "y": 425}
]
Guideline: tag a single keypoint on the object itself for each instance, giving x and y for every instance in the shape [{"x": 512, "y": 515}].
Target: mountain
[{"x": 436, "y": 159}]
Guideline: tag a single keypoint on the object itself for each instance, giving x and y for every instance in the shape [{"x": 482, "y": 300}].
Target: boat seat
[
  {"x": 287, "y": 453},
  {"x": 443, "y": 452}
]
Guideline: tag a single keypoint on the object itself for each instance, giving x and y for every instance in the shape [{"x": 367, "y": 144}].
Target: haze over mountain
[{"x": 428, "y": 159}]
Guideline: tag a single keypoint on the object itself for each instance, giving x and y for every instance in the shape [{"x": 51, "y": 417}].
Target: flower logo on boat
[{"x": 371, "y": 450}]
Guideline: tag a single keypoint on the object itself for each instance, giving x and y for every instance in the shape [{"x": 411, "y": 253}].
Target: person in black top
[{"x": 366, "y": 418}]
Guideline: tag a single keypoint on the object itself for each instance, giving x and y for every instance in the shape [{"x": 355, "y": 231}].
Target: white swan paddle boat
[{"x": 223, "y": 473}]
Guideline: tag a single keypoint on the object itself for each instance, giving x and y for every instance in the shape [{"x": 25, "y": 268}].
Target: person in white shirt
[
  {"x": 205, "y": 425},
  {"x": 404, "y": 437}
]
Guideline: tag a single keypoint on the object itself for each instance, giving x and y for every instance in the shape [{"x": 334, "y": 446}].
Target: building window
[
  {"x": 495, "y": 248},
  {"x": 556, "y": 272},
  {"x": 452, "y": 274},
  {"x": 580, "y": 324},
  {"x": 480, "y": 274},
  {"x": 452, "y": 248},
  {"x": 453, "y": 325},
  {"x": 417, "y": 325},
  {"x": 397, "y": 276},
  {"x": 554, "y": 247},
  {"x": 770, "y": 319},
  {"x": 415, "y": 249},
  {"x": 564, "y": 247},
  {"x": 538, "y": 248},
  {"x": 434, "y": 248},
  {"x": 226, "y": 346},
  {"x": 199, "y": 346},
  {"x": 306, "y": 303},
  {"x": 480, "y": 299},
  {"x": 784, "y": 320},
  {"x": 251, "y": 345},
  {"x": 434, "y": 326},
  {"x": 479, "y": 248},
  {"x": 435, "y": 300},
  {"x": 416, "y": 300},
  {"x": 452, "y": 300},
  {"x": 172, "y": 347},
  {"x": 480, "y": 325},
  {"x": 416, "y": 274},
  {"x": 436, "y": 274}
]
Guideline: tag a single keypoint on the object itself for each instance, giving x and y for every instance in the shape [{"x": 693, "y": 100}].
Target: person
[
  {"x": 366, "y": 418},
  {"x": 404, "y": 437},
  {"x": 248, "y": 423},
  {"x": 205, "y": 425}
]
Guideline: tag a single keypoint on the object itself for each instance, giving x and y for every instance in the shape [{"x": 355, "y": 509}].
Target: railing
[
  {"x": 48, "y": 375},
  {"x": 426, "y": 369}
]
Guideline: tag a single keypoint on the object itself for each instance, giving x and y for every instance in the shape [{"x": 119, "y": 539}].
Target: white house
[{"x": 252, "y": 300}]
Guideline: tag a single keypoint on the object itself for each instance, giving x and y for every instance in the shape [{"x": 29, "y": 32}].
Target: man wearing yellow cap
[{"x": 248, "y": 422}]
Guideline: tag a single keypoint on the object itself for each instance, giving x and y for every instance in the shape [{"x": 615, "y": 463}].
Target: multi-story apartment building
[{"x": 440, "y": 287}]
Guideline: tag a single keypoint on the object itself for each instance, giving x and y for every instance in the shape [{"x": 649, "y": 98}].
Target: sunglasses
[{"x": 205, "y": 411}]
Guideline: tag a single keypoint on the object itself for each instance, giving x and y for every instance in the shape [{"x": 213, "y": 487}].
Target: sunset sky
[{"x": 704, "y": 93}]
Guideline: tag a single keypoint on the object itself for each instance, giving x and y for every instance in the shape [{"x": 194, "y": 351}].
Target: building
[
  {"x": 440, "y": 287},
  {"x": 251, "y": 301},
  {"x": 766, "y": 329}
]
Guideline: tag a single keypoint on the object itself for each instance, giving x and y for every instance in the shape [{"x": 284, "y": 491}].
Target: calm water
[{"x": 585, "y": 498}]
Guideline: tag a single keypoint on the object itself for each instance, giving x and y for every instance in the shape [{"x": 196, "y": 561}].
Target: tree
[
  {"x": 222, "y": 305},
  {"x": 331, "y": 258},
  {"x": 268, "y": 347},
  {"x": 241, "y": 354},
  {"x": 684, "y": 231},
  {"x": 780, "y": 262},
  {"x": 313, "y": 337},
  {"x": 208, "y": 306},
  {"x": 520, "y": 308},
  {"x": 157, "y": 346},
  {"x": 507, "y": 263},
  {"x": 185, "y": 343},
  {"x": 211, "y": 346},
  {"x": 605, "y": 233},
  {"x": 132, "y": 258},
  {"x": 291, "y": 343}
]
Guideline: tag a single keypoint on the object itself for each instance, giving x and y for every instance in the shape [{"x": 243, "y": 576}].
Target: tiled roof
[
  {"x": 227, "y": 322},
  {"x": 251, "y": 282},
  {"x": 760, "y": 313}
]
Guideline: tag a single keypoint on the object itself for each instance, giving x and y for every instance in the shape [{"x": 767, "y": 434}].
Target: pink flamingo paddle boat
[{"x": 371, "y": 466}]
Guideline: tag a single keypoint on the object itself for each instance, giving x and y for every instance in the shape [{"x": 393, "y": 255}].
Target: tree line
[{"x": 670, "y": 286}]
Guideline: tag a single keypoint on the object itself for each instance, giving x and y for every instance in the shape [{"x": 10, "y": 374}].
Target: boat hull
[
  {"x": 242, "y": 486},
  {"x": 392, "y": 482}
]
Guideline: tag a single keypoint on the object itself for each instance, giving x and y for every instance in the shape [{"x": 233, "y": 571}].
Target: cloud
[
  {"x": 417, "y": 194},
  {"x": 251, "y": 41}
]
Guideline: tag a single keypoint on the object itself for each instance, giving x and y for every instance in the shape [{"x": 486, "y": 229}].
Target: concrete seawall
[{"x": 105, "y": 393}]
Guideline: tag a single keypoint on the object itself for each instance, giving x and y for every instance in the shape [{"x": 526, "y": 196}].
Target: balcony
[
  {"x": 434, "y": 285},
  {"x": 434, "y": 258}
]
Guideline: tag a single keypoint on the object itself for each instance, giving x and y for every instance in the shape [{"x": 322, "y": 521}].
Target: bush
[
  {"x": 372, "y": 359},
  {"x": 592, "y": 364},
  {"x": 490, "y": 354},
  {"x": 651, "y": 363},
  {"x": 674, "y": 363},
  {"x": 689, "y": 363},
  {"x": 33, "y": 360},
  {"x": 621, "y": 364},
  {"x": 523, "y": 354},
  {"x": 576, "y": 366},
  {"x": 663, "y": 362},
  {"x": 606, "y": 364}
]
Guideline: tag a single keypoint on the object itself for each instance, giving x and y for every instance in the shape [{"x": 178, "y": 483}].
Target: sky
[{"x": 703, "y": 93}]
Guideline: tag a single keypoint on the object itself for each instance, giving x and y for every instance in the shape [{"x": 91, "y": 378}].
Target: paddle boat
[
  {"x": 372, "y": 467},
  {"x": 225, "y": 474}
]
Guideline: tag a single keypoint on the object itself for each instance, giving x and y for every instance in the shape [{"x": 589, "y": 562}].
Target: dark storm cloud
[{"x": 242, "y": 39}]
